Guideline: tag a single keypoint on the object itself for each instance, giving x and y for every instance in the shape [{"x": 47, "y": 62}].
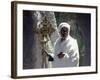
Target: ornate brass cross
[{"x": 45, "y": 31}]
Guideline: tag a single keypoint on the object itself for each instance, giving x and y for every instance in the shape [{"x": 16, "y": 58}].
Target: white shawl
[{"x": 69, "y": 47}]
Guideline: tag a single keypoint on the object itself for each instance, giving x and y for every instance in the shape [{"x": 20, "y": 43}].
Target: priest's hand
[
  {"x": 60, "y": 55},
  {"x": 44, "y": 52}
]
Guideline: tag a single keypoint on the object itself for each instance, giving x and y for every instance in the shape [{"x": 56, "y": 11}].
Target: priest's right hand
[{"x": 44, "y": 52}]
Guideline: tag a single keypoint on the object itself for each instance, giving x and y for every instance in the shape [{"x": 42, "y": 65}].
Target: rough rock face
[{"x": 31, "y": 43}]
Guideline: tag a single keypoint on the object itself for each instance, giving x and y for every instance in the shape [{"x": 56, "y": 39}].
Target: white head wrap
[{"x": 64, "y": 24}]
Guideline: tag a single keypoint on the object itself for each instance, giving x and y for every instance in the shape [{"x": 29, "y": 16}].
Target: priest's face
[{"x": 64, "y": 32}]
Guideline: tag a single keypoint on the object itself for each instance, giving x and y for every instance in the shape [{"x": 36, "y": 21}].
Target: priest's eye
[{"x": 64, "y": 29}]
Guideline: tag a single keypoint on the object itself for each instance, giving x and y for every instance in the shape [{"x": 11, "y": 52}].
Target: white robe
[{"x": 70, "y": 48}]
